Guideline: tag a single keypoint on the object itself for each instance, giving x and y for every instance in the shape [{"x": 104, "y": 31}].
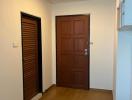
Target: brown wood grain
[
  {"x": 73, "y": 36},
  {"x": 61, "y": 93},
  {"x": 30, "y": 45}
]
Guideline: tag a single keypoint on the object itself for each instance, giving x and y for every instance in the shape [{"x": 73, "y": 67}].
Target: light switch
[{"x": 15, "y": 45}]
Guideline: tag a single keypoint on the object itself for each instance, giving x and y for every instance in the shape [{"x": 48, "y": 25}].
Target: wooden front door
[
  {"x": 73, "y": 38},
  {"x": 31, "y": 49}
]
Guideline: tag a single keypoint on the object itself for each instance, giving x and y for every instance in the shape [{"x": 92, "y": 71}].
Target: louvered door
[{"x": 31, "y": 75}]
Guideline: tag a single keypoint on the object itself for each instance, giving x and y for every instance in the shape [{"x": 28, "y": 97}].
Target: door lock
[{"x": 85, "y": 52}]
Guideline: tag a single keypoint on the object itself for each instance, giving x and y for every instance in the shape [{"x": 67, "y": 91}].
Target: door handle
[{"x": 85, "y": 52}]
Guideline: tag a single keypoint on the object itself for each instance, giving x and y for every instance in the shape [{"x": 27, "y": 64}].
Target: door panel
[
  {"x": 73, "y": 36},
  {"x": 31, "y": 57}
]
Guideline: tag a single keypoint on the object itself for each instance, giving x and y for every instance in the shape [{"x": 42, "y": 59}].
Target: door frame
[
  {"x": 39, "y": 50},
  {"x": 88, "y": 15}
]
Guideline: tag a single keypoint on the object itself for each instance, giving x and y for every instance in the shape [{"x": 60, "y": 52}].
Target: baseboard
[
  {"x": 53, "y": 85},
  {"x": 103, "y": 90},
  {"x": 37, "y": 97}
]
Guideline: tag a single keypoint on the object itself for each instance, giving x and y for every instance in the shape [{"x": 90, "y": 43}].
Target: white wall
[
  {"x": 11, "y": 87},
  {"x": 102, "y": 35}
]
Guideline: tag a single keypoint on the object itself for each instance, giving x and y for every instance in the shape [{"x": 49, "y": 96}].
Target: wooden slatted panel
[{"x": 30, "y": 57}]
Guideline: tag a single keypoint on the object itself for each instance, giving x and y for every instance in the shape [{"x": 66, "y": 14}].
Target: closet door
[{"x": 31, "y": 64}]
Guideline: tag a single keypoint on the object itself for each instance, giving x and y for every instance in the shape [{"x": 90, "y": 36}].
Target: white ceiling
[{"x": 57, "y": 1}]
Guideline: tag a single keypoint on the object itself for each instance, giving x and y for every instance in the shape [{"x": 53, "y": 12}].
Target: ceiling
[{"x": 57, "y": 1}]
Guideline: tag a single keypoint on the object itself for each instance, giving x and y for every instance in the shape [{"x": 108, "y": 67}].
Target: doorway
[
  {"x": 73, "y": 51},
  {"x": 32, "y": 55}
]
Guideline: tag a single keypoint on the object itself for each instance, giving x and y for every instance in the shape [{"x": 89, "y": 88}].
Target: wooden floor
[{"x": 60, "y": 93}]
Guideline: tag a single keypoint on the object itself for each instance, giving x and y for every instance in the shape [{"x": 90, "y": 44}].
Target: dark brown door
[
  {"x": 31, "y": 45},
  {"x": 73, "y": 36}
]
